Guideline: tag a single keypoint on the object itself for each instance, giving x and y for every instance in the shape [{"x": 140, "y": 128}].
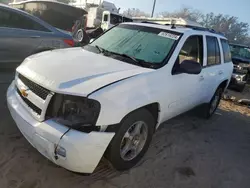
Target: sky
[{"x": 238, "y": 8}]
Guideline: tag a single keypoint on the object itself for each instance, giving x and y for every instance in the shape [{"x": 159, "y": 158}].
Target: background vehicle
[
  {"x": 22, "y": 34},
  {"x": 110, "y": 19},
  {"x": 59, "y": 15},
  {"x": 241, "y": 61},
  {"x": 150, "y": 72}
]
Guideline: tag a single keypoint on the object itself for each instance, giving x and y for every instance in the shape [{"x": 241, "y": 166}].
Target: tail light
[{"x": 70, "y": 42}]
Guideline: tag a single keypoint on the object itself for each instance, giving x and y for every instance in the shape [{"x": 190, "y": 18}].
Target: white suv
[{"x": 108, "y": 98}]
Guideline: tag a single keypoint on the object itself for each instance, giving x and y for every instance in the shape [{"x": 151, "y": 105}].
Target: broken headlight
[{"x": 75, "y": 112}]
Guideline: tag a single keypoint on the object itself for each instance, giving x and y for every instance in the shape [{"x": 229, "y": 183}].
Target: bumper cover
[{"x": 83, "y": 150}]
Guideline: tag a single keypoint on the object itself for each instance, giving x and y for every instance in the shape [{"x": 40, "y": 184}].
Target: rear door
[
  {"x": 213, "y": 66},
  {"x": 19, "y": 36}
]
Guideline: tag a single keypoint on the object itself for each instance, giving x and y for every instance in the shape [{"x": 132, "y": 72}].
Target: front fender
[{"x": 121, "y": 98}]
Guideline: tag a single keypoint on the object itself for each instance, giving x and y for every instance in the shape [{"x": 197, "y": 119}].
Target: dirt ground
[{"x": 186, "y": 152}]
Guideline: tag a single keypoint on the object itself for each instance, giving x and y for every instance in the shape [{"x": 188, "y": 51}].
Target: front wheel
[
  {"x": 132, "y": 140},
  {"x": 211, "y": 107}
]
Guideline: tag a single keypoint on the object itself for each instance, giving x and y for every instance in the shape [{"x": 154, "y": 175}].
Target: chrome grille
[
  {"x": 34, "y": 97},
  {"x": 30, "y": 104},
  {"x": 35, "y": 88}
]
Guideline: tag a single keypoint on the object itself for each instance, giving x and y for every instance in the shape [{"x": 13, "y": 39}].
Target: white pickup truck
[{"x": 107, "y": 99}]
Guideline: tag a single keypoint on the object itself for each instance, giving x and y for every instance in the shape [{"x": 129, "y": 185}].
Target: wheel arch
[
  {"x": 153, "y": 108},
  {"x": 224, "y": 84}
]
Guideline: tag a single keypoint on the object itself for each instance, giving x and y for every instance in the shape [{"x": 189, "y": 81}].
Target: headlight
[
  {"x": 75, "y": 112},
  {"x": 239, "y": 67},
  {"x": 238, "y": 77}
]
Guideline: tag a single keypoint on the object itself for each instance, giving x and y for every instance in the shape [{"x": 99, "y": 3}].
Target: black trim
[
  {"x": 113, "y": 128},
  {"x": 35, "y": 88}
]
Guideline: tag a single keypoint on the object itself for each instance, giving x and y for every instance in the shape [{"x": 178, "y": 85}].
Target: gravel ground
[{"x": 186, "y": 152}]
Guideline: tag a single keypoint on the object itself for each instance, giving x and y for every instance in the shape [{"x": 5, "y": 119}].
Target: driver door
[{"x": 187, "y": 90}]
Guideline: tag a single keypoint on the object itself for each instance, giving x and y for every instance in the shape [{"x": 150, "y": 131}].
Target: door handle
[
  {"x": 202, "y": 78},
  {"x": 220, "y": 72}
]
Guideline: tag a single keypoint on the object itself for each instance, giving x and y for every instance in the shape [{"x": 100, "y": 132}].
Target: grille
[
  {"x": 30, "y": 104},
  {"x": 35, "y": 88}
]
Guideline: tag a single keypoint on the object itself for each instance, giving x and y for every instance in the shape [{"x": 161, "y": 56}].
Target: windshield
[
  {"x": 151, "y": 45},
  {"x": 240, "y": 51}
]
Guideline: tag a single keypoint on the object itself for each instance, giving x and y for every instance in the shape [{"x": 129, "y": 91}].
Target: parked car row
[
  {"x": 108, "y": 98},
  {"x": 241, "y": 61},
  {"x": 22, "y": 35}
]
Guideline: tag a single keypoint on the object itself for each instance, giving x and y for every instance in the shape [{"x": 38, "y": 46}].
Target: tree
[
  {"x": 132, "y": 12},
  {"x": 185, "y": 13},
  {"x": 230, "y": 26}
]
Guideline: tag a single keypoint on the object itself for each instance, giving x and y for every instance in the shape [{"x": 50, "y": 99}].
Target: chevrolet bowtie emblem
[{"x": 24, "y": 92}]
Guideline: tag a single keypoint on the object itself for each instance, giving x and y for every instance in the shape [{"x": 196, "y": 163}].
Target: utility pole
[{"x": 153, "y": 9}]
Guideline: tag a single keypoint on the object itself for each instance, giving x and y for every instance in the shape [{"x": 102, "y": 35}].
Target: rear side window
[
  {"x": 213, "y": 51},
  {"x": 14, "y": 20},
  {"x": 226, "y": 51}
]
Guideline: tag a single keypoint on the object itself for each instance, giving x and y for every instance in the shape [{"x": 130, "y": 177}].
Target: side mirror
[
  {"x": 91, "y": 40},
  {"x": 189, "y": 67}
]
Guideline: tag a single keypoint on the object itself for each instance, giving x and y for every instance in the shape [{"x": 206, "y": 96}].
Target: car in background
[
  {"x": 59, "y": 15},
  {"x": 241, "y": 61},
  {"x": 22, "y": 34}
]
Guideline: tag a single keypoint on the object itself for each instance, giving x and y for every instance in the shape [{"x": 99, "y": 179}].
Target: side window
[
  {"x": 14, "y": 20},
  {"x": 226, "y": 51},
  {"x": 213, "y": 51},
  {"x": 192, "y": 50}
]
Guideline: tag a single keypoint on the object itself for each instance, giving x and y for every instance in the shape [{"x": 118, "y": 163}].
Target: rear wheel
[
  {"x": 211, "y": 107},
  {"x": 132, "y": 140}
]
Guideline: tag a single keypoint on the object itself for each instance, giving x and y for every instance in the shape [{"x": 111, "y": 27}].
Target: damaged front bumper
[{"x": 71, "y": 149}]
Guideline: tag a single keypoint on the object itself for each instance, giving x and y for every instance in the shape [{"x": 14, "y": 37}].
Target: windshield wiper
[{"x": 101, "y": 50}]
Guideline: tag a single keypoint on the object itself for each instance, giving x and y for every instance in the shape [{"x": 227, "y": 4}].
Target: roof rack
[
  {"x": 173, "y": 26},
  {"x": 150, "y": 22}
]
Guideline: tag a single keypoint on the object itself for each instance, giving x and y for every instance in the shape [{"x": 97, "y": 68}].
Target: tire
[
  {"x": 212, "y": 106},
  {"x": 117, "y": 153}
]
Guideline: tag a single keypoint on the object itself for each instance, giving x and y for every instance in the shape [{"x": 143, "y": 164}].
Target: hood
[
  {"x": 76, "y": 71},
  {"x": 242, "y": 60}
]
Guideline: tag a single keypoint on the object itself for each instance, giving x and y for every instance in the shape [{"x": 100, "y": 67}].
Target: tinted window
[
  {"x": 226, "y": 51},
  {"x": 115, "y": 19},
  {"x": 127, "y": 19},
  {"x": 105, "y": 18},
  {"x": 213, "y": 51},
  {"x": 192, "y": 50},
  {"x": 14, "y": 20}
]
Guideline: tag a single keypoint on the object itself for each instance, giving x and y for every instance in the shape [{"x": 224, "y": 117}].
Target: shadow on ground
[{"x": 185, "y": 152}]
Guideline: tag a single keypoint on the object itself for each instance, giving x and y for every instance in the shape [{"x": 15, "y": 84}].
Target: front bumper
[
  {"x": 83, "y": 150},
  {"x": 237, "y": 83}
]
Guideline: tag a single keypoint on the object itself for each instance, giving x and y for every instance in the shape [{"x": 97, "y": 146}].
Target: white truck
[{"x": 109, "y": 97}]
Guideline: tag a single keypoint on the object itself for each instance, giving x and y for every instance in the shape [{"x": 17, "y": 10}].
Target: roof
[
  {"x": 181, "y": 29},
  {"x": 48, "y": 1},
  {"x": 179, "y": 21}
]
